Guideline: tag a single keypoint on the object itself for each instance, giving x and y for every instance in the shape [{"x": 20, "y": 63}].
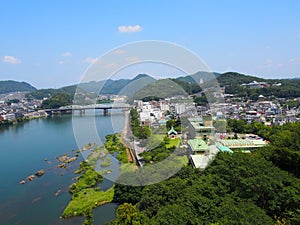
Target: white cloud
[
  {"x": 90, "y": 60},
  {"x": 11, "y": 59},
  {"x": 66, "y": 54},
  {"x": 61, "y": 62},
  {"x": 127, "y": 29}
]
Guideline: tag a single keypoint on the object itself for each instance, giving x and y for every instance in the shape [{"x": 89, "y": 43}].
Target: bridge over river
[{"x": 81, "y": 109}]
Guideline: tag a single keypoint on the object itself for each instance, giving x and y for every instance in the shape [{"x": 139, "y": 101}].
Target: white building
[{"x": 179, "y": 108}]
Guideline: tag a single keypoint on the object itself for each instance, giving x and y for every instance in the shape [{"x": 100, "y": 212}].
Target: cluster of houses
[
  {"x": 265, "y": 111},
  {"x": 20, "y": 109},
  {"x": 198, "y": 134},
  {"x": 255, "y": 84}
]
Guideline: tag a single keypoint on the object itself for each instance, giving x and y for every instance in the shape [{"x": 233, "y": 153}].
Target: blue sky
[{"x": 52, "y": 43}]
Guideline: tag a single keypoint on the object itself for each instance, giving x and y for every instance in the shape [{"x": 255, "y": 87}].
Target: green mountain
[
  {"x": 139, "y": 86},
  {"x": 199, "y": 77},
  {"x": 121, "y": 86},
  {"x": 13, "y": 86},
  {"x": 160, "y": 88}
]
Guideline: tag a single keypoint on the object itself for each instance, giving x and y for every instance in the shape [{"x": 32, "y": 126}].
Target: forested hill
[
  {"x": 289, "y": 88},
  {"x": 231, "y": 81},
  {"x": 12, "y": 86}
]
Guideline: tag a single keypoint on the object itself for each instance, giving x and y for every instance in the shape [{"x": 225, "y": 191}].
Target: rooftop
[
  {"x": 197, "y": 145},
  {"x": 224, "y": 149},
  {"x": 198, "y": 123},
  {"x": 172, "y": 131},
  {"x": 200, "y": 161},
  {"x": 243, "y": 143}
]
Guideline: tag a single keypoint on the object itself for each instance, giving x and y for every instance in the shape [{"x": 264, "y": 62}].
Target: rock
[
  {"x": 57, "y": 193},
  {"x": 31, "y": 177},
  {"x": 40, "y": 173},
  {"x": 22, "y": 182},
  {"x": 61, "y": 165},
  {"x": 69, "y": 160},
  {"x": 62, "y": 158}
]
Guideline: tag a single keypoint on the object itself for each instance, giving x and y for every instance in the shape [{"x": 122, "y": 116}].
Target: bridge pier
[
  {"x": 81, "y": 112},
  {"x": 105, "y": 112}
]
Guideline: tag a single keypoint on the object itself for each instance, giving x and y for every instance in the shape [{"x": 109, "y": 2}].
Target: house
[
  {"x": 172, "y": 133},
  {"x": 198, "y": 127},
  {"x": 197, "y": 146}
]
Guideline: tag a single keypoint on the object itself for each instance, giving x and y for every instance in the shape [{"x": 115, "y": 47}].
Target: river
[{"x": 34, "y": 145}]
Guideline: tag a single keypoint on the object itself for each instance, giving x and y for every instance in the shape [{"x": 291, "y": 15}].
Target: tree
[
  {"x": 127, "y": 214},
  {"x": 56, "y": 101}
]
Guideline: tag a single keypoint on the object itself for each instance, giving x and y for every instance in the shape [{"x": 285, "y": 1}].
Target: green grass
[
  {"x": 106, "y": 162},
  {"x": 155, "y": 140},
  {"x": 87, "y": 199},
  {"x": 173, "y": 142}
]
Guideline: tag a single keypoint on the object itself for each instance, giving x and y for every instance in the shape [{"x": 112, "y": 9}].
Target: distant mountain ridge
[
  {"x": 231, "y": 80},
  {"x": 8, "y": 86}
]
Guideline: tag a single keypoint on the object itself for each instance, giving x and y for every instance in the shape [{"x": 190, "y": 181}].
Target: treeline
[
  {"x": 235, "y": 189},
  {"x": 46, "y": 93},
  {"x": 56, "y": 101},
  {"x": 241, "y": 126},
  {"x": 140, "y": 132}
]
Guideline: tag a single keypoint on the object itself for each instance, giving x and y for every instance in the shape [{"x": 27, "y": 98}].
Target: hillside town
[{"x": 201, "y": 129}]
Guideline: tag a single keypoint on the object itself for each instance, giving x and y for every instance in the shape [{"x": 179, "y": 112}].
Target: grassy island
[{"x": 86, "y": 194}]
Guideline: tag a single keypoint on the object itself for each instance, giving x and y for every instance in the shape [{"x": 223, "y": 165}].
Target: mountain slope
[{"x": 13, "y": 86}]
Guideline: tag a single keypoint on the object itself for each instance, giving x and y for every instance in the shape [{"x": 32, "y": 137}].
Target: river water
[{"x": 34, "y": 145}]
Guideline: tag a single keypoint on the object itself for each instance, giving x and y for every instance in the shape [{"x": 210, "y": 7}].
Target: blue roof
[
  {"x": 224, "y": 149},
  {"x": 172, "y": 131}
]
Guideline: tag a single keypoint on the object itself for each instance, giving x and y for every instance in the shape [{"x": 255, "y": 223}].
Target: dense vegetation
[
  {"x": 12, "y": 86},
  {"x": 46, "y": 93},
  {"x": 284, "y": 150},
  {"x": 235, "y": 189},
  {"x": 163, "y": 88},
  {"x": 140, "y": 132},
  {"x": 284, "y": 147},
  {"x": 159, "y": 153},
  {"x": 241, "y": 126},
  {"x": 56, "y": 101},
  {"x": 232, "y": 81},
  {"x": 175, "y": 123},
  {"x": 114, "y": 145},
  {"x": 86, "y": 194},
  {"x": 258, "y": 188}
]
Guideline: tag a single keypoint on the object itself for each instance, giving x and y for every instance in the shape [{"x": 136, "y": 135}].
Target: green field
[
  {"x": 173, "y": 142},
  {"x": 87, "y": 199}
]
